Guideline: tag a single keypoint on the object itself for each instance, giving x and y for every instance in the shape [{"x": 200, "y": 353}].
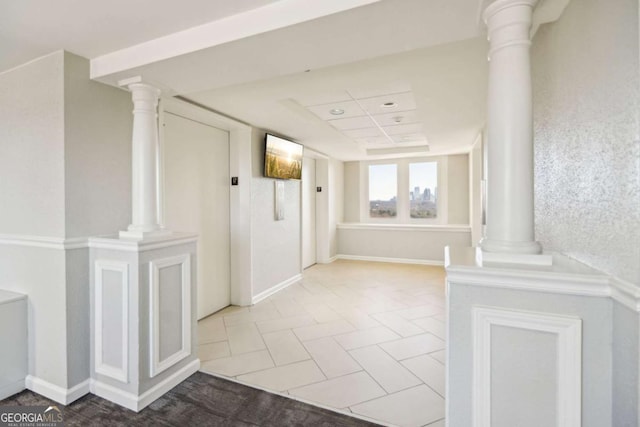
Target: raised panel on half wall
[
  {"x": 527, "y": 369},
  {"x": 170, "y": 312},
  {"x": 111, "y": 347}
]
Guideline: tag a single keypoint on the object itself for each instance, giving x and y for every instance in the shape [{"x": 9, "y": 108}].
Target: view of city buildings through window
[
  {"x": 383, "y": 191},
  {"x": 423, "y": 190}
]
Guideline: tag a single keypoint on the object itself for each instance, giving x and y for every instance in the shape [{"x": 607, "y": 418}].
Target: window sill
[{"x": 404, "y": 227}]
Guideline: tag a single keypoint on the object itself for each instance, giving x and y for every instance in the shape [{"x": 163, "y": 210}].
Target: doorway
[
  {"x": 309, "y": 254},
  {"x": 196, "y": 189}
]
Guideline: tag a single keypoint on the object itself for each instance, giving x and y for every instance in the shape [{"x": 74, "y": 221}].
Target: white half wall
[{"x": 404, "y": 243}]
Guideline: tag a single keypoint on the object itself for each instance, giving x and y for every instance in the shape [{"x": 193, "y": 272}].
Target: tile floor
[{"x": 363, "y": 338}]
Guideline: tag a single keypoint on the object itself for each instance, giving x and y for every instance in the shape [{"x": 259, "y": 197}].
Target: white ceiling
[
  {"x": 427, "y": 55},
  {"x": 32, "y": 28}
]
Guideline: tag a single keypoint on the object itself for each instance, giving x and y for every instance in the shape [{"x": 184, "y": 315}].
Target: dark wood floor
[{"x": 201, "y": 400}]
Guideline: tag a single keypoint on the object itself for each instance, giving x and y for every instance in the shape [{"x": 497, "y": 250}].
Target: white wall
[
  {"x": 393, "y": 241},
  {"x": 31, "y": 148},
  {"x": 351, "y": 192},
  {"x": 97, "y": 140},
  {"x": 65, "y": 161},
  {"x": 275, "y": 245},
  {"x": 417, "y": 244},
  {"x": 475, "y": 190},
  {"x": 458, "y": 189},
  {"x": 336, "y": 203},
  {"x": 586, "y": 83}
]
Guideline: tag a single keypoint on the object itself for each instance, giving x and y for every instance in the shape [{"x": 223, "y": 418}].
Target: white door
[
  {"x": 308, "y": 212},
  {"x": 196, "y": 180}
]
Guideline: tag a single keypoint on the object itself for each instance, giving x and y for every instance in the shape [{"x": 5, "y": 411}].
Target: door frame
[{"x": 239, "y": 196}]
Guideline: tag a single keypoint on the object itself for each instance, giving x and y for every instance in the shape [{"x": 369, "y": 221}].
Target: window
[
  {"x": 383, "y": 191},
  {"x": 423, "y": 190},
  {"x": 404, "y": 191}
]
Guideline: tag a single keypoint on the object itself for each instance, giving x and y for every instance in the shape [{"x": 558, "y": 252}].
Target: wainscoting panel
[
  {"x": 112, "y": 319},
  {"x": 170, "y": 312},
  {"x": 527, "y": 368}
]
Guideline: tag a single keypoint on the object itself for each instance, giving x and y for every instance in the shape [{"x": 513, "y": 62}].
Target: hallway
[{"x": 361, "y": 338}]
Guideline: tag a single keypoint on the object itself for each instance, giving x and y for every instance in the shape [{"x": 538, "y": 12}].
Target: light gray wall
[
  {"x": 275, "y": 245},
  {"x": 97, "y": 153},
  {"x": 352, "y": 191},
  {"x": 458, "y": 189},
  {"x": 66, "y": 161},
  {"x": 336, "y": 202},
  {"x": 586, "y": 86},
  {"x": 31, "y": 148}
]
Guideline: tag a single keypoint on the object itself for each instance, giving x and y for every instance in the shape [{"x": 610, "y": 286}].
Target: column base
[
  {"x": 142, "y": 235},
  {"x": 504, "y": 252}
]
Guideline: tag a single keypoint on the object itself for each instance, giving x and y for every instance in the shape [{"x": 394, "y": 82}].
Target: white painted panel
[
  {"x": 169, "y": 322},
  {"x": 112, "y": 319},
  {"x": 554, "y": 364},
  {"x": 197, "y": 200},
  {"x": 170, "y": 306},
  {"x": 523, "y": 378},
  {"x": 309, "y": 212}
]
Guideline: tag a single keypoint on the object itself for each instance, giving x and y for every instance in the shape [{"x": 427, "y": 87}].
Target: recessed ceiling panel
[
  {"x": 409, "y": 138},
  {"x": 352, "y": 123},
  {"x": 397, "y": 118},
  {"x": 337, "y": 110},
  {"x": 379, "y": 140},
  {"x": 403, "y": 129},
  {"x": 363, "y": 133},
  {"x": 389, "y": 103}
]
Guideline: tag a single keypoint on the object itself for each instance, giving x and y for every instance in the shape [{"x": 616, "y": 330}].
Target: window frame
[{"x": 402, "y": 199}]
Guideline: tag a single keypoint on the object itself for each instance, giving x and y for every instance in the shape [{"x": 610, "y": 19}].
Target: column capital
[{"x": 544, "y": 11}]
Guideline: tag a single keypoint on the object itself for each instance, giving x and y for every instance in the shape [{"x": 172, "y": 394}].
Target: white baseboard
[
  {"x": 11, "y": 389},
  {"x": 392, "y": 260},
  {"x": 137, "y": 403},
  {"x": 280, "y": 286},
  {"x": 54, "y": 392}
]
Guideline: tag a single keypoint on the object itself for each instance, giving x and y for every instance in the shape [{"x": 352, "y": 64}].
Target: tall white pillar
[
  {"x": 510, "y": 213},
  {"x": 144, "y": 196}
]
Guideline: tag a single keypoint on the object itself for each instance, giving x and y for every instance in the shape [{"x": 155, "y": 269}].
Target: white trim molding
[
  {"x": 129, "y": 245},
  {"x": 390, "y": 260},
  {"x": 137, "y": 403},
  {"x": 45, "y": 242},
  {"x": 272, "y": 290},
  {"x": 405, "y": 227},
  {"x": 156, "y": 365},
  {"x": 566, "y": 276},
  {"x": 569, "y": 359},
  {"x": 119, "y": 373},
  {"x": 61, "y": 395}
]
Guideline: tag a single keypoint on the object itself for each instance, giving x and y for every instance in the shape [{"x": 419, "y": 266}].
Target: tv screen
[{"x": 283, "y": 158}]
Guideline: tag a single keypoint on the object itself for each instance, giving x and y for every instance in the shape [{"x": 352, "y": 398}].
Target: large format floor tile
[
  {"x": 364, "y": 338},
  {"x": 416, "y": 406},
  {"x": 341, "y": 392}
]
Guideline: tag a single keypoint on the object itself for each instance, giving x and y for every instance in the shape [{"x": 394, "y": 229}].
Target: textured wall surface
[
  {"x": 587, "y": 161},
  {"x": 275, "y": 245}
]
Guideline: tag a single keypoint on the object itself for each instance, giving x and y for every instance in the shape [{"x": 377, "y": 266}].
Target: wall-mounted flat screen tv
[{"x": 283, "y": 158}]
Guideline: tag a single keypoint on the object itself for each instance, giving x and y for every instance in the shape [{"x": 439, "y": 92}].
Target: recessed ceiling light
[
  {"x": 336, "y": 111},
  {"x": 397, "y": 119},
  {"x": 389, "y": 105}
]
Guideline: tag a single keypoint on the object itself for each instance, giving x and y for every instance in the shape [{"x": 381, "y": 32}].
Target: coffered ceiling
[{"x": 284, "y": 65}]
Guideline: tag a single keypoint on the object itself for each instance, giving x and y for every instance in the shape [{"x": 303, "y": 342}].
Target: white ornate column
[
  {"x": 143, "y": 284},
  {"x": 145, "y": 150},
  {"x": 510, "y": 212}
]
